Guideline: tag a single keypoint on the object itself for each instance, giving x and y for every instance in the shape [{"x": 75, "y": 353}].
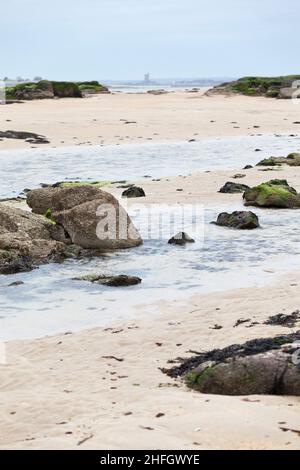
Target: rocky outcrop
[
  {"x": 92, "y": 88},
  {"x": 241, "y": 220},
  {"x": 268, "y": 366},
  {"x": 233, "y": 188},
  {"x": 293, "y": 159},
  {"x": 181, "y": 238},
  {"x": 275, "y": 193},
  {"x": 25, "y": 240},
  {"x": 120, "y": 280},
  {"x": 270, "y": 87},
  {"x": 66, "y": 90},
  {"x": 89, "y": 217},
  {"x": 134, "y": 191},
  {"x": 43, "y": 89}
]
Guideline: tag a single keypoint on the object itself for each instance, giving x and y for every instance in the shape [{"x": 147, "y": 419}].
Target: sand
[
  {"x": 58, "y": 391},
  {"x": 175, "y": 116},
  {"x": 103, "y": 388}
]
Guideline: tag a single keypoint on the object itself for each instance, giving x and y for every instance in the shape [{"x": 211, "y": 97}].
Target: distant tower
[{"x": 147, "y": 78}]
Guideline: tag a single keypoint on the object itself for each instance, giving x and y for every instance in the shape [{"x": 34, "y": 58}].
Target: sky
[{"x": 124, "y": 39}]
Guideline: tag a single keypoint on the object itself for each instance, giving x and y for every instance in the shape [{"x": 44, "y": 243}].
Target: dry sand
[
  {"x": 65, "y": 392},
  {"x": 175, "y": 116}
]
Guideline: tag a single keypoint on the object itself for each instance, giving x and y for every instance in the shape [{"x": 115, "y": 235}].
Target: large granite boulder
[
  {"x": 274, "y": 193},
  {"x": 90, "y": 217},
  {"x": 25, "y": 240},
  {"x": 242, "y": 220},
  {"x": 59, "y": 199}
]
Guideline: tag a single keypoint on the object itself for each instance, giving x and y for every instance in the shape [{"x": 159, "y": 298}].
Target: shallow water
[
  {"x": 50, "y": 301},
  {"x": 29, "y": 168}
]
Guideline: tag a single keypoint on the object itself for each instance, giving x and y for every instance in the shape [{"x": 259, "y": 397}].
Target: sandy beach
[
  {"x": 127, "y": 118},
  {"x": 60, "y": 391},
  {"x": 103, "y": 388}
]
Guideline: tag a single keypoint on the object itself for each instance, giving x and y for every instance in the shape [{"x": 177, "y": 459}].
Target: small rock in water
[
  {"x": 241, "y": 220},
  {"x": 16, "y": 283},
  {"x": 248, "y": 167},
  {"x": 120, "y": 280},
  {"x": 181, "y": 238},
  {"x": 134, "y": 191}
]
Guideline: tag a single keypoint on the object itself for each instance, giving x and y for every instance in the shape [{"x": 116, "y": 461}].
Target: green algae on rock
[{"x": 274, "y": 193}]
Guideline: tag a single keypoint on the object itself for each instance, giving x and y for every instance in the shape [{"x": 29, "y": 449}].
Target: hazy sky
[{"x": 90, "y": 39}]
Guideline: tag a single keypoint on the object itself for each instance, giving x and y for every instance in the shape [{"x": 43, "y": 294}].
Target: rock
[
  {"x": 21, "y": 135},
  {"x": 232, "y": 188},
  {"x": 39, "y": 140},
  {"x": 59, "y": 199},
  {"x": 112, "y": 281},
  {"x": 157, "y": 92},
  {"x": 11, "y": 263},
  {"x": 238, "y": 176},
  {"x": 281, "y": 319},
  {"x": 287, "y": 93},
  {"x": 275, "y": 193},
  {"x": 83, "y": 212},
  {"x": 248, "y": 167},
  {"x": 44, "y": 90},
  {"x": 34, "y": 94},
  {"x": 181, "y": 238},
  {"x": 270, "y": 87},
  {"x": 66, "y": 90},
  {"x": 241, "y": 220},
  {"x": 24, "y": 240},
  {"x": 34, "y": 91},
  {"x": 15, "y": 284},
  {"x": 268, "y": 366},
  {"x": 293, "y": 159},
  {"x": 270, "y": 373},
  {"x": 134, "y": 191}
]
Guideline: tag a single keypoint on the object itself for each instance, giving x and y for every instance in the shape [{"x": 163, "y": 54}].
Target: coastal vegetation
[
  {"x": 46, "y": 89},
  {"x": 270, "y": 87}
]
